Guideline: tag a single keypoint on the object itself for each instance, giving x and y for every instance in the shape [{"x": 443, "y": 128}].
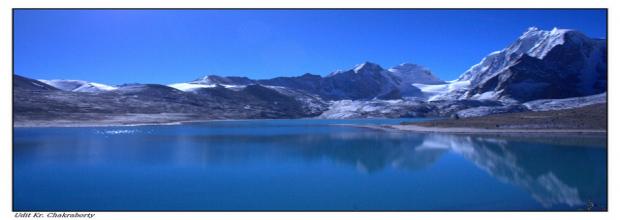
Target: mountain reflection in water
[{"x": 560, "y": 171}]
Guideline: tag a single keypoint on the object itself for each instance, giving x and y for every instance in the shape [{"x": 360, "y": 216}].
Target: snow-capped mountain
[
  {"x": 408, "y": 73},
  {"x": 365, "y": 81},
  {"x": 224, "y": 80},
  {"x": 78, "y": 85},
  {"x": 541, "y": 64},
  {"x": 553, "y": 67},
  {"x": 534, "y": 42}
]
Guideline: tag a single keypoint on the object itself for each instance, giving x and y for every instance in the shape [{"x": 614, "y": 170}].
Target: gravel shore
[
  {"x": 588, "y": 118},
  {"x": 591, "y": 120}
]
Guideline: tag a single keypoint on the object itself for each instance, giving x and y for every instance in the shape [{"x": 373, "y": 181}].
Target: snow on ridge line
[
  {"x": 103, "y": 86},
  {"x": 78, "y": 85},
  {"x": 534, "y": 42}
]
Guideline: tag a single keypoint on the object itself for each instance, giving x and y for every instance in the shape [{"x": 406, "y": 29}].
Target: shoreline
[
  {"x": 111, "y": 123},
  {"x": 123, "y": 120},
  {"x": 398, "y": 128},
  {"x": 466, "y": 130},
  {"x": 57, "y": 124}
]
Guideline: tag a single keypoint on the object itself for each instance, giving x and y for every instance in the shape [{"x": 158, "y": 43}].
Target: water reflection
[
  {"x": 561, "y": 179},
  {"x": 553, "y": 172}
]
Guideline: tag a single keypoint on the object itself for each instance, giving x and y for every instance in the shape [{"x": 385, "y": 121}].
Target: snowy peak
[
  {"x": 408, "y": 67},
  {"x": 537, "y": 43},
  {"x": 412, "y": 73},
  {"x": 364, "y": 81},
  {"x": 367, "y": 67},
  {"x": 540, "y": 64},
  {"x": 534, "y": 42},
  {"x": 406, "y": 73},
  {"x": 225, "y": 80},
  {"x": 78, "y": 85},
  {"x": 362, "y": 68},
  {"x": 203, "y": 80}
]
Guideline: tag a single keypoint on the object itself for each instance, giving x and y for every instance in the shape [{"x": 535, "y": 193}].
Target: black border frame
[{"x": 606, "y": 10}]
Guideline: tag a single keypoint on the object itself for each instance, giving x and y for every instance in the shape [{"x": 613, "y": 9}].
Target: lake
[{"x": 301, "y": 165}]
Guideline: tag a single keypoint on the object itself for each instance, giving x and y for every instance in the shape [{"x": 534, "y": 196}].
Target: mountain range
[{"x": 540, "y": 65}]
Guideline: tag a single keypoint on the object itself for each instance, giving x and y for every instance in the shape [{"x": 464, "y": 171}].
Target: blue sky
[{"x": 165, "y": 46}]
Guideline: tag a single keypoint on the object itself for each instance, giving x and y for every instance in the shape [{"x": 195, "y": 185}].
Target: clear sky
[{"x": 165, "y": 46}]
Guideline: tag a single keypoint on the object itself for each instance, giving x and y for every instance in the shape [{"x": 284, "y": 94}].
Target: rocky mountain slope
[{"x": 36, "y": 101}]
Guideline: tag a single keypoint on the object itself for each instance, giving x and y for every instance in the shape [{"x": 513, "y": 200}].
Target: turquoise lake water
[{"x": 301, "y": 165}]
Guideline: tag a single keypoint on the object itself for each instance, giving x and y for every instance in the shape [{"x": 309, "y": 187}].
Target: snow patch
[
  {"x": 345, "y": 109},
  {"x": 449, "y": 91},
  {"x": 568, "y": 103},
  {"x": 188, "y": 87},
  {"x": 78, "y": 85}
]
